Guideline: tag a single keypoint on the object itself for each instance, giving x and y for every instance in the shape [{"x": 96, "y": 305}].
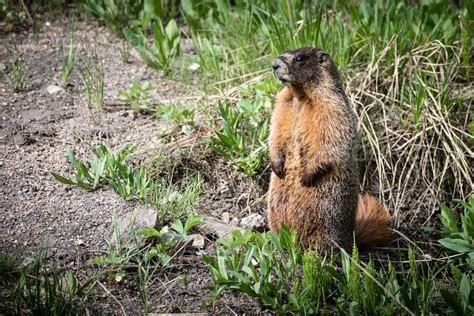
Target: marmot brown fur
[{"x": 314, "y": 184}]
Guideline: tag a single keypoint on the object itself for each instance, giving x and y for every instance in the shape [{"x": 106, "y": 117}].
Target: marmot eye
[{"x": 299, "y": 58}]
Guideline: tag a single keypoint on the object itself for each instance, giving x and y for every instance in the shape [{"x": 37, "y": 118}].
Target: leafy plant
[
  {"x": 174, "y": 200},
  {"x": 168, "y": 238},
  {"x": 138, "y": 96},
  {"x": 116, "y": 14},
  {"x": 170, "y": 200},
  {"x": 240, "y": 133},
  {"x": 112, "y": 169},
  {"x": 459, "y": 238},
  {"x": 272, "y": 268},
  {"x": 165, "y": 47},
  {"x": 460, "y": 302},
  {"x": 179, "y": 114},
  {"x": 264, "y": 266},
  {"x": 105, "y": 167}
]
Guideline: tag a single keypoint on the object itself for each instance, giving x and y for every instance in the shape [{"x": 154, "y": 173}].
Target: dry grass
[{"x": 417, "y": 141}]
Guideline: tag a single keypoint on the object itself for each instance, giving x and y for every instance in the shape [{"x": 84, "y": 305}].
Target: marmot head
[{"x": 306, "y": 70}]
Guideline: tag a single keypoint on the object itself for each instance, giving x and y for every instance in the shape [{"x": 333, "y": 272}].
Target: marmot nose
[{"x": 276, "y": 64}]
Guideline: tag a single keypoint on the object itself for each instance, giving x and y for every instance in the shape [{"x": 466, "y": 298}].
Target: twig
[
  {"x": 113, "y": 296},
  {"x": 27, "y": 12}
]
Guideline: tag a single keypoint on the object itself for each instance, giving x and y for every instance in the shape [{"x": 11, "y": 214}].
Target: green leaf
[
  {"x": 457, "y": 245},
  {"x": 62, "y": 179},
  {"x": 172, "y": 30},
  {"x": 452, "y": 302},
  {"x": 177, "y": 225},
  {"x": 467, "y": 220},
  {"x": 465, "y": 288},
  {"x": 192, "y": 221},
  {"x": 154, "y": 8},
  {"x": 100, "y": 261},
  {"x": 149, "y": 232},
  {"x": 448, "y": 219},
  {"x": 187, "y": 7},
  {"x": 222, "y": 268},
  {"x": 99, "y": 172},
  {"x": 250, "y": 272}
]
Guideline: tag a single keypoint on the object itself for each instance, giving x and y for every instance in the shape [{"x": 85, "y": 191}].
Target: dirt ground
[{"x": 37, "y": 128}]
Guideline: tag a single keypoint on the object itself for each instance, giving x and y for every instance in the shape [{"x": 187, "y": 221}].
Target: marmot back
[{"x": 313, "y": 187}]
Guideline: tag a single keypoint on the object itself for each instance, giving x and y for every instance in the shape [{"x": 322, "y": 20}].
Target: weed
[
  {"x": 272, "y": 268},
  {"x": 459, "y": 238},
  {"x": 91, "y": 72},
  {"x": 461, "y": 302},
  {"x": 138, "y": 96},
  {"x": 175, "y": 201},
  {"x": 178, "y": 114},
  {"x": 240, "y": 133},
  {"x": 16, "y": 75},
  {"x": 268, "y": 266},
  {"x": 68, "y": 57},
  {"x": 168, "y": 238},
  {"x": 165, "y": 47},
  {"x": 125, "y": 53},
  {"x": 116, "y": 14},
  {"x": 109, "y": 168},
  {"x": 170, "y": 200},
  {"x": 45, "y": 292}
]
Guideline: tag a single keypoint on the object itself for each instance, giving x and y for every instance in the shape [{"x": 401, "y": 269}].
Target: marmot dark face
[{"x": 305, "y": 68}]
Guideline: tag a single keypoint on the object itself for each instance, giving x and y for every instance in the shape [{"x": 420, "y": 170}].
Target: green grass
[
  {"x": 43, "y": 291},
  {"x": 16, "y": 74},
  {"x": 172, "y": 200},
  {"x": 458, "y": 231},
  {"x": 91, "y": 72},
  {"x": 68, "y": 57},
  {"x": 272, "y": 268}
]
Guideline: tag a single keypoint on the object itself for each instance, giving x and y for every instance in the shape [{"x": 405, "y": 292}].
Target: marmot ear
[{"x": 323, "y": 58}]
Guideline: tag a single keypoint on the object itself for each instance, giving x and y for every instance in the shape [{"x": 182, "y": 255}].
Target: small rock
[
  {"x": 142, "y": 217},
  {"x": 216, "y": 227},
  {"x": 194, "y": 66},
  {"x": 198, "y": 241},
  {"x": 53, "y": 89},
  {"x": 225, "y": 217},
  {"x": 254, "y": 221},
  {"x": 235, "y": 221},
  {"x": 79, "y": 242},
  {"x": 27, "y": 262}
]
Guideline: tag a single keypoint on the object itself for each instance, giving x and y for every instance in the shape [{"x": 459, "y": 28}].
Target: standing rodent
[{"x": 314, "y": 184}]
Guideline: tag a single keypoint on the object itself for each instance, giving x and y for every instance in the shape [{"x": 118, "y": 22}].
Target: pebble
[
  {"x": 53, "y": 89},
  {"x": 254, "y": 221},
  {"x": 225, "y": 217}
]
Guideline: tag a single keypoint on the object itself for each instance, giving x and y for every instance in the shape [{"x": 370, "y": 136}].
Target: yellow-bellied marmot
[{"x": 314, "y": 184}]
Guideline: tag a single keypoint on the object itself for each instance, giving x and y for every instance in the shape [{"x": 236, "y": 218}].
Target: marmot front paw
[{"x": 278, "y": 167}]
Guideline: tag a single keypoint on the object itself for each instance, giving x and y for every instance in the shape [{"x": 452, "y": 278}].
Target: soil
[{"x": 36, "y": 130}]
